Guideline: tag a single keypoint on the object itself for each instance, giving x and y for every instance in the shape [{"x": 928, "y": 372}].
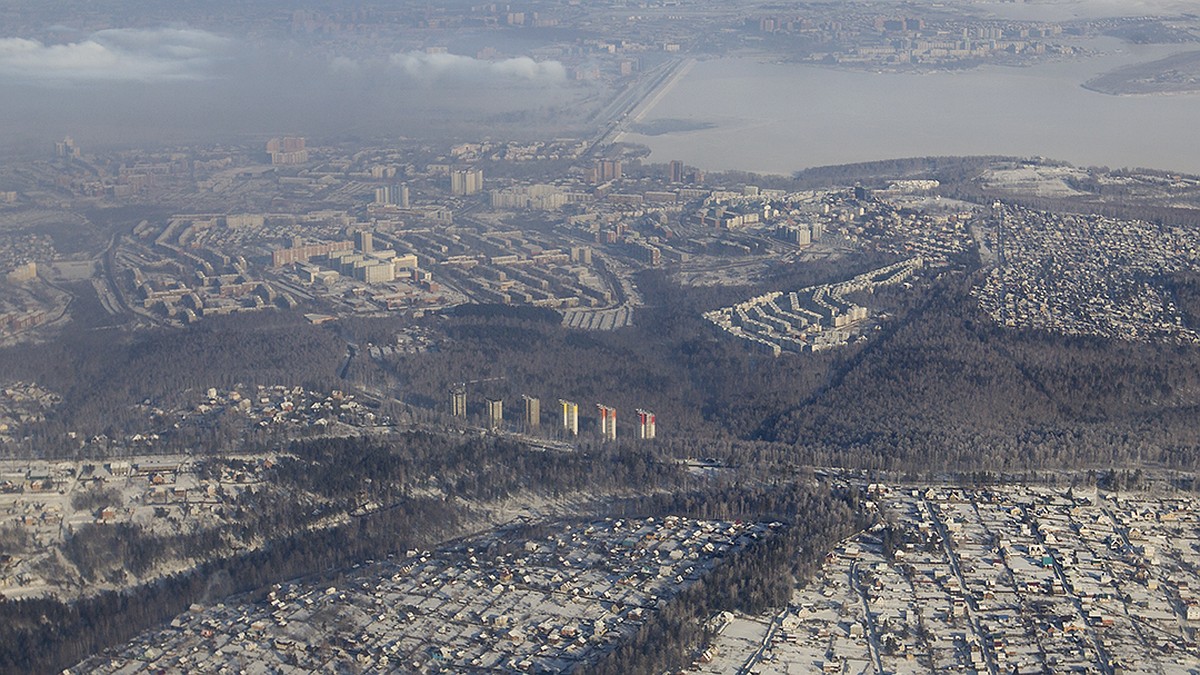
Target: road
[
  {"x": 351, "y": 352},
  {"x": 972, "y": 607},
  {"x": 110, "y": 274},
  {"x": 872, "y": 631},
  {"x": 636, "y": 99},
  {"x": 768, "y": 637}
]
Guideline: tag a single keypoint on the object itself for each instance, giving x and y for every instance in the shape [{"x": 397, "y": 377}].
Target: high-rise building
[
  {"x": 539, "y": 197},
  {"x": 364, "y": 241},
  {"x": 581, "y": 254},
  {"x": 570, "y": 416},
  {"x": 394, "y": 195},
  {"x": 287, "y": 150},
  {"x": 300, "y": 252},
  {"x": 608, "y": 422},
  {"x": 66, "y": 148},
  {"x": 533, "y": 413},
  {"x": 382, "y": 171},
  {"x": 646, "y": 424},
  {"x": 676, "y": 171},
  {"x": 604, "y": 170},
  {"x": 458, "y": 401},
  {"x": 495, "y": 413},
  {"x": 464, "y": 182},
  {"x": 801, "y": 234}
]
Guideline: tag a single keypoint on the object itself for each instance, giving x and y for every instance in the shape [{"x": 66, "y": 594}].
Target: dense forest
[
  {"x": 941, "y": 388},
  {"x": 700, "y": 385},
  {"x": 880, "y": 172},
  {"x": 949, "y": 390}
]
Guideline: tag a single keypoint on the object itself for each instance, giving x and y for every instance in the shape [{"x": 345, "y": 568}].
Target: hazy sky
[
  {"x": 170, "y": 82},
  {"x": 125, "y": 86}
]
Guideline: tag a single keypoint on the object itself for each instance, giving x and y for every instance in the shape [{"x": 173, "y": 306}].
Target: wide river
[{"x": 779, "y": 118}]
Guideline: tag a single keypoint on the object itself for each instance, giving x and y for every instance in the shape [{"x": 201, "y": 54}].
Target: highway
[{"x": 636, "y": 99}]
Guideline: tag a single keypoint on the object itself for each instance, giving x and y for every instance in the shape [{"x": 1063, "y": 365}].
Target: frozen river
[{"x": 775, "y": 117}]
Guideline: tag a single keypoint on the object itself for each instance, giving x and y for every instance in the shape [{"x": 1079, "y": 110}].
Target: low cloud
[
  {"x": 431, "y": 67},
  {"x": 117, "y": 55},
  {"x": 342, "y": 65}
]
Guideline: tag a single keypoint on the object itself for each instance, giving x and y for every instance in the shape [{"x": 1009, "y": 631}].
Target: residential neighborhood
[{"x": 1012, "y": 579}]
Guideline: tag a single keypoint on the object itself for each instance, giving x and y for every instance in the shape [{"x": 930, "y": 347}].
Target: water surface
[{"x": 779, "y": 118}]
